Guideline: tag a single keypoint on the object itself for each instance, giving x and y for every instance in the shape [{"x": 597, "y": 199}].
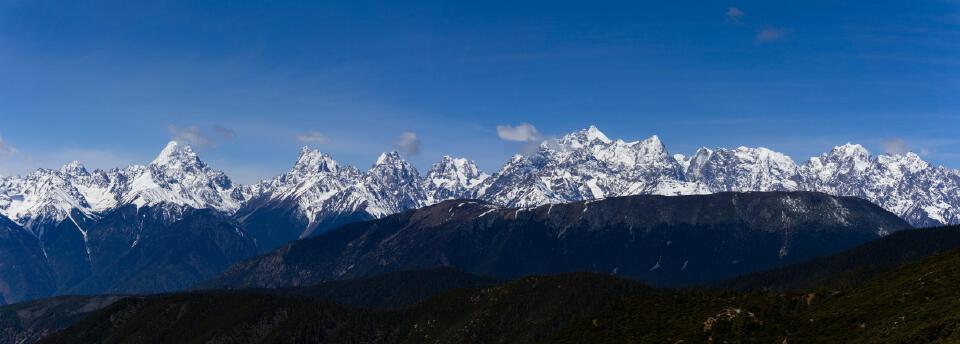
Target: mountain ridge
[
  {"x": 662, "y": 240},
  {"x": 578, "y": 166}
]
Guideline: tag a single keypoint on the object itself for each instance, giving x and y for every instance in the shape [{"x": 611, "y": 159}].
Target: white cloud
[
  {"x": 521, "y": 133},
  {"x": 313, "y": 137},
  {"x": 771, "y": 34},
  {"x": 7, "y": 150},
  {"x": 734, "y": 14},
  {"x": 191, "y": 135},
  {"x": 895, "y": 146},
  {"x": 408, "y": 143}
]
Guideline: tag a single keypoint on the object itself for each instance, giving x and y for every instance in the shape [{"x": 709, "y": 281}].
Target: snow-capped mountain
[
  {"x": 176, "y": 177},
  {"x": 906, "y": 185},
  {"x": 742, "y": 169},
  {"x": 582, "y": 165},
  {"x": 115, "y": 230},
  {"x": 318, "y": 194},
  {"x": 452, "y": 178},
  {"x": 47, "y": 196},
  {"x": 587, "y": 165},
  {"x": 320, "y": 187}
]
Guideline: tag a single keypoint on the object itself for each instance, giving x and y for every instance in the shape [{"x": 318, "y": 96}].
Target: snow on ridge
[{"x": 582, "y": 165}]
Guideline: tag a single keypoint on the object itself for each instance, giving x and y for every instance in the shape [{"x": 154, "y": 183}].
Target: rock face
[
  {"x": 128, "y": 250},
  {"x": 661, "y": 240},
  {"x": 23, "y": 274}
]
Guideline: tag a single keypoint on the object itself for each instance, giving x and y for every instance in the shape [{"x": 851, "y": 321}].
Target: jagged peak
[
  {"x": 312, "y": 160},
  {"x": 463, "y": 166},
  {"x": 849, "y": 149},
  {"x": 593, "y": 133},
  {"x": 910, "y": 160},
  {"x": 389, "y": 158},
  {"x": 393, "y": 163},
  {"x": 74, "y": 168},
  {"x": 459, "y": 163},
  {"x": 764, "y": 154},
  {"x": 653, "y": 142},
  {"x": 176, "y": 152},
  {"x": 584, "y": 137},
  {"x": 654, "y": 139}
]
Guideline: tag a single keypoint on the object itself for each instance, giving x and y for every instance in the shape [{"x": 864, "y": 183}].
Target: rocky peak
[
  {"x": 452, "y": 178},
  {"x": 585, "y": 137},
  {"x": 178, "y": 156},
  {"x": 849, "y": 150},
  {"x": 652, "y": 146},
  {"x": 74, "y": 168},
  {"x": 461, "y": 168},
  {"x": 392, "y": 163},
  {"x": 313, "y": 161},
  {"x": 905, "y": 163},
  {"x": 847, "y": 159}
]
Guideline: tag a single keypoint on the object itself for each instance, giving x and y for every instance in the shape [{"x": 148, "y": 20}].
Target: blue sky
[{"x": 108, "y": 83}]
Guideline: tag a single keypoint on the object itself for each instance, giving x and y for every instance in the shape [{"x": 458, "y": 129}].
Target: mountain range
[
  {"x": 583, "y": 165},
  {"x": 96, "y": 231}
]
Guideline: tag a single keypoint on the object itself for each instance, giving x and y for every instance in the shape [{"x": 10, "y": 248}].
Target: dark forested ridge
[
  {"x": 26, "y": 322},
  {"x": 665, "y": 241},
  {"x": 29, "y": 321},
  {"x": 850, "y": 267},
  {"x": 915, "y": 303}
]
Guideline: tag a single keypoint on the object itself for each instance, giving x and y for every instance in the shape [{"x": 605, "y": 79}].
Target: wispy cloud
[
  {"x": 523, "y": 132},
  {"x": 313, "y": 137},
  {"x": 771, "y": 34},
  {"x": 408, "y": 143},
  {"x": 895, "y": 146},
  {"x": 734, "y": 15},
  {"x": 191, "y": 135},
  {"x": 7, "y": 150}
]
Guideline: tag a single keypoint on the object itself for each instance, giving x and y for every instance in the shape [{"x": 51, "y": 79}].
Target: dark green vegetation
[
  {"x": 222, "y": 318},
  {"x": 661, "y": 240},
  {"x": 389, "y": 291},
  {"x": 848, "y": 268},
  {"x": 916, "y": 303},
  {"x": 32, "y": 320},
  {"x": 29, "y": 321},
  {"x": 890, "y": 303}
]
